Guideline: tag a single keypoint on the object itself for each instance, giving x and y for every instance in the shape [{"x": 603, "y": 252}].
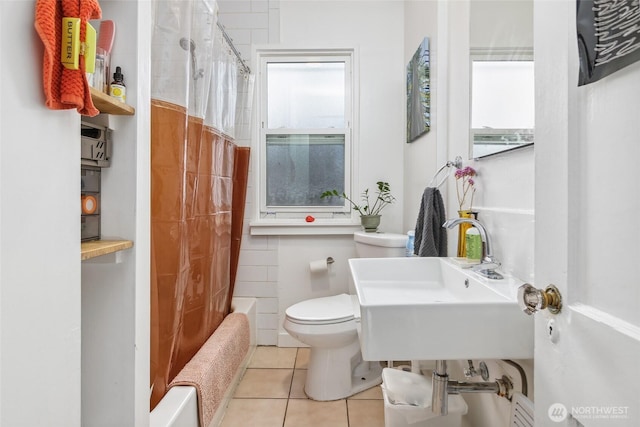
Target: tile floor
[{"x": 271, "y": 394}]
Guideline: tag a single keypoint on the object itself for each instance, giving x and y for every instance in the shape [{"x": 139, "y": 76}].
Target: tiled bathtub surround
[{"x": 255, "y": 22}]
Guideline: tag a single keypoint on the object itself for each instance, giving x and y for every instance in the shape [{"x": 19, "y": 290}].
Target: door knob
[{"x": 532, "y": 299}]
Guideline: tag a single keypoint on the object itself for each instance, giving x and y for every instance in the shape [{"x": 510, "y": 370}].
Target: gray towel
[{"x": 431, "y": 236}]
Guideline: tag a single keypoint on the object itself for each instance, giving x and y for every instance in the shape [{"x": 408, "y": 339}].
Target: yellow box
[
  {"x": 70, "y": 47},
  {"x": 90, "y": 49}
]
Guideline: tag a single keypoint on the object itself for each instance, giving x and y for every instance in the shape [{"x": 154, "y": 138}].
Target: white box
[{"x": 399, "y": 415}]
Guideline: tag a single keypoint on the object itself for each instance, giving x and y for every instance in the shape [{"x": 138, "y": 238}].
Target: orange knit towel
[{"x": 64, "y": 88}]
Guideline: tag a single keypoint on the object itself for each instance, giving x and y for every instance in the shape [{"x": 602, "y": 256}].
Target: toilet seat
[{"x": 322, "y": 311}]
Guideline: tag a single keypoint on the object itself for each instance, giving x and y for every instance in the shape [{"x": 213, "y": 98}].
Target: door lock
[{"x": 532, "y": 299}]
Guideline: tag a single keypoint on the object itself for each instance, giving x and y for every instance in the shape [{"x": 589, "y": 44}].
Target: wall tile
[
  {"x": 260, "y": 6},
  {"x": 245, "y": 20},
  {"x": 272, "y": 273},
  {"x": 247, "y": 23},
  {"x": 252, "y": 273},
  {"x": 268, "y": 321},
  {"x": 254, "y": 242},
  {"x": 239, "y": 35},
  {"x": 273, "y": 242},
  {"x": 274, "y": 26},
  {"x": 258, "y": 258},
  {"x": 267, "y": 337},
  {"x": 234, "y": 6},
  {"x": 256, "y": 289},
  {"x": 245, "y": 53},
  {"x": 267, "y": 305},
  {"x": 260, "y": 36}
]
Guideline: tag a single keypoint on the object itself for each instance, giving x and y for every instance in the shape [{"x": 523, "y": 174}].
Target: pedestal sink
[{"x": 431, "y": 309}]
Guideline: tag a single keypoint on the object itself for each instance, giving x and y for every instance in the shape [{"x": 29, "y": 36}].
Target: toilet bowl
[{"x": 328, "y": 326}]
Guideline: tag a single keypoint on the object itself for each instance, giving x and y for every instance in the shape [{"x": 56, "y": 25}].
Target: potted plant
[{"x": 369, "y": 211}]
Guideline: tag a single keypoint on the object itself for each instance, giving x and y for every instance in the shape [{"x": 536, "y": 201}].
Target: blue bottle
[{"x": 410, "y": 243}]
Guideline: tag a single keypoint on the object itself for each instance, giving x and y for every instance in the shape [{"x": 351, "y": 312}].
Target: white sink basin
[{"x": 422, "y": 309}]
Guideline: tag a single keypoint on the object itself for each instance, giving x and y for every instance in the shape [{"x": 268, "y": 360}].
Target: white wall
[
  {"x": 266, "y": 270},
  {"x": 58, "y": 343},
  {"x": 375, "y": 30},
  {"x": 501, "y": 24},
  {"x": 421, "y": 160},
  {"x": 40, "y": 237},
  {"x": 115, "y": 295}
]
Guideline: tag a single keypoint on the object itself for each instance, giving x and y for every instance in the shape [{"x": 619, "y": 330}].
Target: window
[{"x": 305, "y": 119}]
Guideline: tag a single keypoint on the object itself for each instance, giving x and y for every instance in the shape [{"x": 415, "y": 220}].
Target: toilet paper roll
[{"x": 318, "y": 266}]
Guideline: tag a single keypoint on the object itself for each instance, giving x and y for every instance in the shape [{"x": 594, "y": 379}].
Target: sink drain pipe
[{"x": 442, "y": 387}]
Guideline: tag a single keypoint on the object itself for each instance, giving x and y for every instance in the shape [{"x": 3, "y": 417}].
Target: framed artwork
[
  {"x": 608, "y": 37},
  {"x": 418, "y": 93}
]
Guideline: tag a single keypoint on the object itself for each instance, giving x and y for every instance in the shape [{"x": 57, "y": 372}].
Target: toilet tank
[{"x": 379, "y": 245}]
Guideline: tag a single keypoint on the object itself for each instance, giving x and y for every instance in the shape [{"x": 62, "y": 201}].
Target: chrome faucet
[{"x": 488, "y": 264}]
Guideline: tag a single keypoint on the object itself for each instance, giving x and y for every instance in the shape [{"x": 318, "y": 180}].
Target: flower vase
[
  {"x": 462, "y": 231},
  {"x": 370, "y": 223}
]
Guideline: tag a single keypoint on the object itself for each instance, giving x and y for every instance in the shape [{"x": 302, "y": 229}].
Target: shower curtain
[{"x": 199, "y": 91}]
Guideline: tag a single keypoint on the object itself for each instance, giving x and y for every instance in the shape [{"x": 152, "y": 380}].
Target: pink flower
[
  {"x": 465, "y": 185},
  {"x": 468, "y": 171}
]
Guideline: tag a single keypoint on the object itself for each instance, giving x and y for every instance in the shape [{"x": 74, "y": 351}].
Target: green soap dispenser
[{"x": 473, "y": 244}]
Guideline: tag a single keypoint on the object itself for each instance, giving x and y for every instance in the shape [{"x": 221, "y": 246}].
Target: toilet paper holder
[{"x": 321, "y": 265}]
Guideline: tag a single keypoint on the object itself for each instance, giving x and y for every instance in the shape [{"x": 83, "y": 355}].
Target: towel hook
[{"x": 457, "y": 163}]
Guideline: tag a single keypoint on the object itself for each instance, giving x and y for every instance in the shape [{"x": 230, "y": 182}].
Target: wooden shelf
[
  {"x": 103, "y": 247},
  {"x": 109, "y": 105}
]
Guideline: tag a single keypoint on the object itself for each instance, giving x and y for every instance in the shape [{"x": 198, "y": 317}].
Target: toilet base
[
  {"x": 335, "y": 374},
  {"x": 369, "y": 378}
]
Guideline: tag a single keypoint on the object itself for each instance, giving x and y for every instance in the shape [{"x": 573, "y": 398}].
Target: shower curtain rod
[{"x": 233, "y": 48}]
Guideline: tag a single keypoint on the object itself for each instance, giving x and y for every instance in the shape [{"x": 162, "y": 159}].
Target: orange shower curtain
[
  {"x": 196, "y": 224},
  {"x": 191, "y": 200}
]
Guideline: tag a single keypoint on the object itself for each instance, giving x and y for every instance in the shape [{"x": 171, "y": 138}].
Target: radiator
[{"x": 521, "y": 411}]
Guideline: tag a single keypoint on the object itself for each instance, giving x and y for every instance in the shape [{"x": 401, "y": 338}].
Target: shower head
[
  {"x": 187, "y": 44},
  {"x": 190, "y": 45}
]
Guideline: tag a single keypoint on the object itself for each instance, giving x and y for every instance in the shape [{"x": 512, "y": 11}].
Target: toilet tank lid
[{"x": 388, "y": 240}]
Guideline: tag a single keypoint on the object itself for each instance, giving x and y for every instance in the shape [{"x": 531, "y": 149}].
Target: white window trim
[{"x": 291, "y": 221}]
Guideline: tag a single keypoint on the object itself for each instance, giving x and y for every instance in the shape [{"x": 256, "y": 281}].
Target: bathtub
[{"x": 179, "y": 407}]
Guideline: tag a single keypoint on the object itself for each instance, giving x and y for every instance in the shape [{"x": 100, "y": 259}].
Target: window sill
[{"x": 298, "y": 227}]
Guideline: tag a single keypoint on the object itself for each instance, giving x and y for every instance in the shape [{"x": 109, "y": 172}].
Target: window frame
[{"x": 324, "y": 213}]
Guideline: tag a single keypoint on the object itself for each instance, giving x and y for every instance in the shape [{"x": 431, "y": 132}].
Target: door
[{"x": 587, "y": 242}]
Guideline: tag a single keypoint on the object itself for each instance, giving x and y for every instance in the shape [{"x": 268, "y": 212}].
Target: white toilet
[{"x": 336, "y": 369}]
